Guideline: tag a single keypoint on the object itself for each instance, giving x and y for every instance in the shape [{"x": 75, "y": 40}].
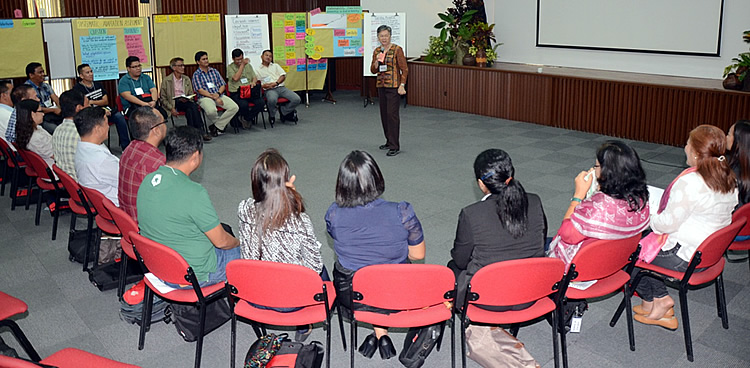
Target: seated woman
[
  {"x": 368, "y": 230},
  {"x": 506, "y": 224},
  {"x": 697, "y": 203},
  {"x": 617, "y": 210},
  {"x": 273, "y": 223},
  {"x": 29, "y": 133},
  {"x": 738, "y": 148}
]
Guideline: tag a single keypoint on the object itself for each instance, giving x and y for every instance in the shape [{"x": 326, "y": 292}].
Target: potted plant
[
  {"x": 456, "y": 26},
  {"x": 482, "y": 38},
  {"x": 737, "y": 74},
  {"x": 439, "y": 51}
]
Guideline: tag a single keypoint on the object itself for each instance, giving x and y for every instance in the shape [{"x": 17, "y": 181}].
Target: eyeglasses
[
  {"x": 162, "y": 123},
  {"x": 135, "y": 67},
  {"x": 179, "y": 65}
]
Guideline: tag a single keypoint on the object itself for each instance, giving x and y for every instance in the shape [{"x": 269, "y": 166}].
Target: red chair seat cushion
[
  {"x": 282, "y": 100},
  {"x": 419, "y": 317},
  {"x": 306, "y": 315},
  {"x": 738, "y": 245},
  {"x": 601, "y": 287},
  {"x": 10, "y": 306},
  {"x": 698, "y": 278},
  {"x": 540, "y": 308},
  {"x": 185, "y": 295},
  {"x": 107, "y": 226},
  {"x": 77, "y": 207},
  {"x": 74, "y": 358}
]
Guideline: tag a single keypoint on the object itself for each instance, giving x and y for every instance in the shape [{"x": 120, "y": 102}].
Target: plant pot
[
  {"x": 469, "y": 60},
  {"x": 481, "y": 58}
]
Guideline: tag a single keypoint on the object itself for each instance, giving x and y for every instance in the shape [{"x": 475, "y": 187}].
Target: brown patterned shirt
[{"x": 397, "y": 68}]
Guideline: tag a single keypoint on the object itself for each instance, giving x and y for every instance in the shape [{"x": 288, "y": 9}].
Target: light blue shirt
[
  {"x": 5, "y": 112},
  {"x": 98, "y": 169}
]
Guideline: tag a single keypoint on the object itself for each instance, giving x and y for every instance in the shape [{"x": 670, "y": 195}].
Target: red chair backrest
[
  {"x": 403, "y": 286},
  {"x": 45, "y": 177},
  {"x": 118, "y": 103},
  {"x": 28, "y": 168},
  {"x": 125, "y": 223},
  {"x": 8, "y": 362},
  {"x": 97, "y": 199},
  {"x": 161, "y": 260},
  {"x": 9, "y": 153},
  {"x": 517, "y": 281},
  {"x": 714, "y": 247},
  {"x": 71, "y": 186},
  {"x": 743, "y": 211},
  {"x": 603, "y": 258},
  {"x": 292, "y": 285}
]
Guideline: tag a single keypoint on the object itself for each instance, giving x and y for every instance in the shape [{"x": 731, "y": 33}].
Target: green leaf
[
  {"x": 446, "y": 17},
  {"x": 443, "y": 34},
  {"x": 440, "y": 25}
]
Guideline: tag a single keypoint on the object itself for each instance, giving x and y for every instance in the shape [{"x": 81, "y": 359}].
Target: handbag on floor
[
  {"x": 493, "y": 347},
  {"x": 263, "y": 350},
  {"x": 418, "y": 344},
  {"x": 186, "y": 318},
  {"x": 297, "y": 355}
]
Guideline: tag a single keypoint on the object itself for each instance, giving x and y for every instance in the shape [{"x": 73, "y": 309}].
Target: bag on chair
[
  {"x": 186, "y": 318},
  {"x": 493, "y": 347},
  {"x": 250, "y": 92},
  {"x": 297, "y": 355},
  {"x": 263, "y": 350},
  {"x": 418, "y": 344}
]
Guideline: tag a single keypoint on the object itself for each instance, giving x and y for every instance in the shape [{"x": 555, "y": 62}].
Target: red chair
[
  {"x": 515, "y": 282},
  {"x": 80, "y": 206},
  {"x": 420, "y": 300},
  {"x": 126, "y": 225},
  {"x": 741, "y": 245},
  {"x": 167, "y": 265},
  {"x": 66, "y": 358},
  {"x": 709, "y": 257},
  {"x": 16, "y": 164},
  {"x": 294, "y": 286},
  {"x": 604, "y": 261},
  {"x": 103, "y": 219},
  {"x": 30, "y": 173},
  {"x": 46, "y": 181}
]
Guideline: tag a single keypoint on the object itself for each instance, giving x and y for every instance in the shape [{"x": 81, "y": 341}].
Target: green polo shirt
[
  {"x": 176, "y": 211},
  {"x": 233, "y": 86}
]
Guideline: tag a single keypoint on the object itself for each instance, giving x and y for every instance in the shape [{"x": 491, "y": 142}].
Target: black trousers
[
  {"x": 389, "y": 104},
  {"x": 192, "y": 114},
  {"x": 247, "y": 112}
]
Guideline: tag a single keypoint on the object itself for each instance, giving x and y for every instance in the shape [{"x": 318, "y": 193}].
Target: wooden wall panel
[
  {"x": 8, "y": 6},
  {"x": 93, "y": 8},
  {"x": 652, "y": 113}
]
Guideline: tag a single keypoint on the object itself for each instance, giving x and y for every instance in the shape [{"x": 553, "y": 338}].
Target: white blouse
[{"x": 693, "y": 212}]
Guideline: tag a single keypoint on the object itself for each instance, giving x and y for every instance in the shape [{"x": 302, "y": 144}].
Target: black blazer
[{"x": 481, "y": 238}]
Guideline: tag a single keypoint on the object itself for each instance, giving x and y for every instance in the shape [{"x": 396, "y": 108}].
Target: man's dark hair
[
  {"x": 19, "y": 93},
  {"x": 199, "y": 55},
  {"x": 142, "y": 120},
  {"x": 182, "y": 142},
  {"x": 80, "y": 67},
  {"x": 31, "y": 67},
  {"x": 130, "y": 60},
  {"x": 237, "y": 53},
  {"x": 360, "y": 180},
  {"x": 69, "y": 100},
  {"x": 88, "y": 118},
  {"x": 5, "y": 86}
]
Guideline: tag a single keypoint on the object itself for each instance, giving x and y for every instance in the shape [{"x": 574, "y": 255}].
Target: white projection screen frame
[{"x": 685, "y": 27}]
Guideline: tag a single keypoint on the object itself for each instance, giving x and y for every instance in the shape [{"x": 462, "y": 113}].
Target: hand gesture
[{"x": 582, "y": 184}]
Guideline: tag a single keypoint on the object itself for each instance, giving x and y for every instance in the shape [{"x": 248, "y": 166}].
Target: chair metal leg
[
  {"x": 353, "y": 338},
  {"x": 557, "y": 320},
  {"x": 328, "y": 342},
  {"x": 201, "y": 331},
  {"x": 13, "y": 189},
  {"x": 453, "y": 340},
  {"x": 341, "y": 324},
  {"x": 440, "y": 337},
  {"x": 29, "y": 191},
  {"x": 21, "y": 338},
  {"x": 686, "y": 323},
  {"x": 233, "y": 347},
  {"x": 145, "y": 317},
  {"x": 721, "y": 302},
  {"x": 56, "y": 217},
  {"x": 514, "y": 329},
  {"x": 629, "y": 319},
  {"x": 38, "y": 208},
  {"x": 123, "y": 276},
  {"x": 4, "y": 176},
  {"x": 463, "y": 341},
  {"x": 630, "y": 290}
]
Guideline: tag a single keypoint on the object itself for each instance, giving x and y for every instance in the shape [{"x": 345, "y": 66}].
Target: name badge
[
  {"x": 210, "y": 85},
  {"x": 48, "y": 103},
  {"x": 383, "y": 68},
  {"x": 138, "y": 91},
  {"x": 243, "y": 80}
]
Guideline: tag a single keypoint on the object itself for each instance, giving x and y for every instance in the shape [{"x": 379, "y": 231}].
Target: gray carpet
[{"x": 433, "y": 173}]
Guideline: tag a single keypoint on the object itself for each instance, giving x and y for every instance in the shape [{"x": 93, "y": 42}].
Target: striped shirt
[
  {"x": 201, "y": 80},
  {"x": 65, "y": 141}
]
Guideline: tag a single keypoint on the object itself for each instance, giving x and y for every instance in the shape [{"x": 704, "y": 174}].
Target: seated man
[
  {"x": 47, "y": 97},
  {"x": 210, "y": 87},
  {"x": 241, "y": 80},
  {"x": 142, "y": 156},
  {"x": 19, "y": 93},
  {"x": 96, "y": 167},
  {"x": 6, "y": 105},
  {"x": 272, "y": 78},
  {"x": 97, "y": 96},
  {"x": 137, "y": 89},
  {"x": 178, "y": 84},
  {"x": 177, "y": 212},
  {"x": 65, "y": 139}
]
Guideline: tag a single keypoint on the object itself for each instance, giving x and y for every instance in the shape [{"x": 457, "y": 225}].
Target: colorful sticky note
[
  {"x": 288, "y": 23},
  {"x": 309, "y": 52},
  {"x": 316, "y": 56},
  {"x": 343, "y": 43},
  {"x": 300, "y": 23},
  {"x": 355, "y": 42},
  {"x": 301, "y": 68},
  {"x": 161, "y": 18},
  {"x": 353, "y": 18},
  {"x": 188, "y": 17},
  {"x": 319, "y": 48},
  {"x": 289, "y": 16},
  {"x": 311, "y": 32},
  {"x": 301, "y": 61},
  {"x": 131, "y": 30},
  {"x": 97, "y": 32},
  {"x": 322, "y": 66},
  {"x": 286, "y": 69},
  {"x": 6, "y": 23},
  {"x": 289, "y": 42},
  {"x": 291, "y": 55},
  {"x": 350, "y": 52},
  {"x": 278, "y": 48},
  {"x": 361, "y": 50},
  {"x": 300, "y": 16},
  {"x": 300, "y": 36},
  {"x": 174, "y": 18},
  {"x": 213, "y": 17},
  {"x": 278, "y": 55},
  {"x": 322, "y": 61},
  {"x": 201, "y": 17},
  {"x": 339, "y": 32},
  {"x": 291, "y": 61},
  {"x": 288, "y": 36},
  {"x": 351, "y": 32},
  {"x": 29, "y": 23},
  {"x": 300, "y": 29},
  {"x": 310, "y": 39},
  {"x": 312, "y": 67},
  {"x": 309, "y": 46},
  {"x": 315, "y": 11},
  {"x": 289, "y": 29},
  {"x": 278, "y": 23},
  {"x": 311, "y": 61}
]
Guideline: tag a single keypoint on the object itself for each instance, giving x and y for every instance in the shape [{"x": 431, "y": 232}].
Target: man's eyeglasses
[
  {"x": 162, "y": 123},
  {"x": 135, "y": 67}
]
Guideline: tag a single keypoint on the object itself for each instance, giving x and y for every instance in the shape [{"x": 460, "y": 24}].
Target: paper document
[
  {"x": 582, "y": 285},
  {"x": 183, "y": 96},
  {"x": 654, "y": 197}
]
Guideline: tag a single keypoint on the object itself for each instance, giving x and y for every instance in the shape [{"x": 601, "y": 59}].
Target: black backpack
[
  {"x": 132, "y": 313},
  {"x": 298, "y": 355},
  {"x": 186, "y": 318},
  {"x": 418, "y": 344}
]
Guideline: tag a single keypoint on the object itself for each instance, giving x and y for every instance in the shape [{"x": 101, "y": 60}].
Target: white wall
[
  {"x": 516, "y": 28},
  {"x": 233, "y": 6}
]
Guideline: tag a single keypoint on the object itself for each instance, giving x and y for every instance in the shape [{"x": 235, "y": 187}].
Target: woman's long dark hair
[
  {"x": 622, "y": 176},
  {"x": 359, "y": 180},
  {"x": 740, "y": 159},
  {"x": 25, "y": 121},
  {"x": 274, "y": 200},
  {"x": 495, "y": 169}
]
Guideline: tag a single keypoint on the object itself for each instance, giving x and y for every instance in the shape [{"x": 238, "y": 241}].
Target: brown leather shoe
[
  {"x": 206, "y": 137},
  {"x": 638, "y": 309},
  {"x": 670, "y": 323}
]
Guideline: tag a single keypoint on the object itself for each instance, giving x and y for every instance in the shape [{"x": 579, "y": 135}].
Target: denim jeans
[
  {"x": 223, "y": 257},
  {"x": 652, "y": 287}
]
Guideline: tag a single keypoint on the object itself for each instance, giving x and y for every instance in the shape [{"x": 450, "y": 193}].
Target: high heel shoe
[
  {"x": 369, "y": 346},
  {"x": 385, "y": 345}
]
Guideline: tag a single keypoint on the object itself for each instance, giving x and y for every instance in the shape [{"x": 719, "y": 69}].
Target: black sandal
[{"x": 369, "y": 346}]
